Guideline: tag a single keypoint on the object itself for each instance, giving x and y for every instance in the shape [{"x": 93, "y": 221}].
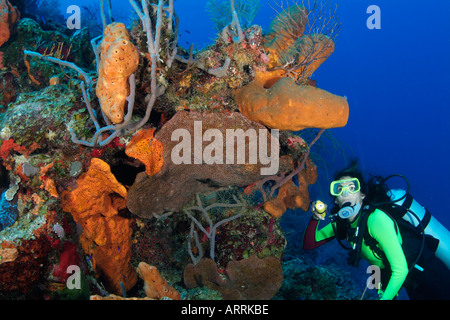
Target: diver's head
[
  {"x": 349, "y": 189},
  {"x": 348, "y": 196}
]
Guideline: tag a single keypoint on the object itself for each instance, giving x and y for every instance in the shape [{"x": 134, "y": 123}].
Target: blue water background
[{"x": 396, "y": 79}]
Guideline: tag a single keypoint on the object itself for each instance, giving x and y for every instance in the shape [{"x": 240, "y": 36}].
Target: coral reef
[
  {"x": 152, "y": 170},
  {"x": 33, "y": 74},
  {"x": 304, "y": 281},
  {"x": 41, "y": 118}
]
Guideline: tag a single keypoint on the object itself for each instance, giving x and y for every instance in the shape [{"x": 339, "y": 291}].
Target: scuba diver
[{"x": 390, "y": 230}]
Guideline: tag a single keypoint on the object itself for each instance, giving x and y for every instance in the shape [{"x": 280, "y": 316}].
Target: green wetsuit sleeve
[
  {"x": 324, "y": 233},
  {"x": 381, "y": 227}
]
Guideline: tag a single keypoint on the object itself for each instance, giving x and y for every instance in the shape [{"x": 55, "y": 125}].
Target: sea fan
[{"x": 221, "y": 15}]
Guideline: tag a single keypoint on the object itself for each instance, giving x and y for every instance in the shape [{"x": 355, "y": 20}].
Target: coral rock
[
  {"x": 119, "y": 59},
  {"x": 9, "y": 15},
  {"x": 95, "y": 205},
  {"x": 147, "y": 149},
  {"x": 155, "y": 286},
  {"x": 287, "y": 106}
]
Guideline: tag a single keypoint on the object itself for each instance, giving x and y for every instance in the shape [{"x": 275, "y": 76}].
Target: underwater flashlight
[{"x": 320, "y": 207}]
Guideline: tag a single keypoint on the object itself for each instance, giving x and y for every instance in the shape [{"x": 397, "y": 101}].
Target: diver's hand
[{"x": 316, "y": 215}]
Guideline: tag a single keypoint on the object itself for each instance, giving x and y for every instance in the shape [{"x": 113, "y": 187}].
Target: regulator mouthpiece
[{"x": 347, "y": 211}]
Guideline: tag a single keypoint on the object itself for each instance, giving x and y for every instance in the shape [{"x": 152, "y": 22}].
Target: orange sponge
[
  {"x": 106, "y": 236},
  {"x": 289, "y": 196},
  {"x": 290, "y": 107},
  {"x": 155, "y": 285},
  {"x": 292, "y": 197},
  {"x": 9, "y": 15},
  {"x": 119, "y": 59},
  {"x": 147, "y": 149}
]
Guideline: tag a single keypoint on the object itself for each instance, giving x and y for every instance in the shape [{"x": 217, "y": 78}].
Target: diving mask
[{"x": 351, "y": 186}]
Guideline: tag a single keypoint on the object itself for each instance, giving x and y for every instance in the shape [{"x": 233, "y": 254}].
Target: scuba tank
[{"x": 431, "y": 225}]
